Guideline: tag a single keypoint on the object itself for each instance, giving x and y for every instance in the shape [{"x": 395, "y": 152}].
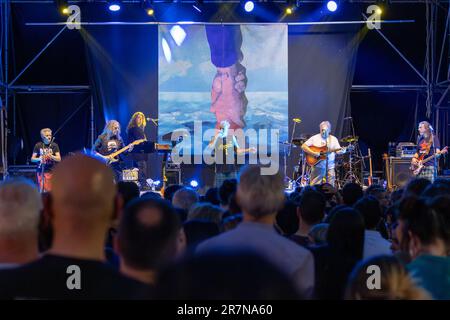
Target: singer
[
  {"x": 136, "y": 131},
  {"x": 323, "y": 171},
  {"x": 47, "y": 154}
]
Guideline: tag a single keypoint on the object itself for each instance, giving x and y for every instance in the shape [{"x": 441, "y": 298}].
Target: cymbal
[{"x": 350, "y": 139}]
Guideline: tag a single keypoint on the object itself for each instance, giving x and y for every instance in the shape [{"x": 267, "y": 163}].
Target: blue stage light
[
  {"x": 249, "y": 6},
  {"x": 194, "y": 183},
  {"x": 332, "y": 6},
  {"x": 114, "y": 5}
]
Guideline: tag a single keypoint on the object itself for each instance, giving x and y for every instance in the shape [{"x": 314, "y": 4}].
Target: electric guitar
[
  {"x": 370, "y": 180},
  {"x": 111, "y": 158},
  {"x": 313, "y": 160},
  {"x": 417, "y": 168}
]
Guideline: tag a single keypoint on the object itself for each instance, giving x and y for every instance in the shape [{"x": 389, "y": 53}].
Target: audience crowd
[{"x": 248, "y": 239}]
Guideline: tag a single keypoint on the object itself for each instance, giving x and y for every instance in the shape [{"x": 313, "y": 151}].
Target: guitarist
[
  {"x": 323, "y": 139},
  {"x": 136, "y": 131},
  {"x": 108, "y": 142},
  {"x": 427, "y": 145}
]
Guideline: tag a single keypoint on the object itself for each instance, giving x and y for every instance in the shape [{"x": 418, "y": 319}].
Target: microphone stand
[
  {"x": 435, "y": 163},
  {"x": 43, "y": 167}
]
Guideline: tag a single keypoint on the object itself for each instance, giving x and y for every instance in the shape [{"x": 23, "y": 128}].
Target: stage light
[
  {"x": 289, "y": 10},
  {"x": 198, "y": 5},
  {"x": 63, "y": 6},
  {"x": 249, "y": 6},
  {"x": 114, "y": 5},
  {"x": 193, "y": 183},
  {"x": 148, "y": 7},
  {"x": 156, "y": 183},
  {"x": 332, "y": 6}
]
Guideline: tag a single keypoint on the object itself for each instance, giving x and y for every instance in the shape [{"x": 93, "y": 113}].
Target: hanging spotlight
[
  {"x": 114, "y": 5},
  {"x": 193, "y": 183},
  {"x": 63, "y": 6},
  {"x": 147, "y": 5},
  {"x": 249, "y": 5},
  {"x": 332, "y": 6}
]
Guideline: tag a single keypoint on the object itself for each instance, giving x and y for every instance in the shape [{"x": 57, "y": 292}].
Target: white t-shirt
[{"x": 318, "y": 141}]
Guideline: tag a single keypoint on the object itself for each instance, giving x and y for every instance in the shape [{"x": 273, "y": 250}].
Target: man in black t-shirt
[
  {"x": 83, "y": 206},
  {"x": 47, "y": 154},
  {"x": 109, "y": 142}
]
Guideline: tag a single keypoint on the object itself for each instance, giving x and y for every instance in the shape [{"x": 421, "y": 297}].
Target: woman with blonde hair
[
  {"x": 136, "y": 131},
  {"x": 383, "y": 278}
]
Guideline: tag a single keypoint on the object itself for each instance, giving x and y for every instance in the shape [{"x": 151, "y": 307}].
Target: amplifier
[
  {"x": 26, "y": 171},
  {"x": 405, "y": 150},
  {"x": 399, "y": 171}
]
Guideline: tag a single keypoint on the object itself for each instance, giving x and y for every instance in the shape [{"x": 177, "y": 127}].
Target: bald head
[{"x": 82, "y": 185}]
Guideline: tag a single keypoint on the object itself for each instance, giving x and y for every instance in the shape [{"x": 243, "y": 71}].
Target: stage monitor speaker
[
  {"x": 25, "y": 171},
  {"x": 400, "y": 172}
]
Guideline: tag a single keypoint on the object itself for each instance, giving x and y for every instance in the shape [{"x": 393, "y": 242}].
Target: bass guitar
[{"x": 416, "y": 168}]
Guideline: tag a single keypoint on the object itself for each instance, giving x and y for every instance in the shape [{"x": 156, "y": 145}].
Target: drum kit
[{"x": 348, "y": 166}]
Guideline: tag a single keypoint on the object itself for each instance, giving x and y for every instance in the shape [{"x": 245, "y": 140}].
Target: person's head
[
  {"x": 420, "y": 228},
  {"x": 380, "y": 193},
  {"x": 370, "y": 209},
  {"x": 325, "y": 128},
  {"x": 394, "y": 284},
  {"x": 351, "y": 193},
  {"x": 20, "y": 208},
  {"x": 148, "y": 234},
  {"x": 286, "y": 220},
  {"x": 46, "y": 135},
  {"x": 311, "y": 207},
  {"x": 212, "y": 196},
  {"x": 434, "y": 190},
  {"x": 197, "y": 231},
  {"x": 416, "y": 187},
  {"x": 84, "y": 203},
  {"x": 137, "y": 120},
  {"x": 425, "y": 129},
  {"x": 185, "y": 198},
  {"x": 441, "y": 205},
  {"x": 225, "y": 275},
  {"x": 128, "y": 190},
  {"x": 170, "y": 191},
  {"x": 226, "y": 190},
  {"x": 345, "y": 234},
  {"x": 206, "y": 212},
  {"x": 259, "y": 196},
  {"x": 112, "y": 128}
]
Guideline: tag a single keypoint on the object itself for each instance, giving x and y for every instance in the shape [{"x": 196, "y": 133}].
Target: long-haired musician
[
  {"x": 47, "y": 154},
  {"x": 108, "y": 142},
  {"x": 331, "y": 145},
  {"x": 136, "y": 131},
  {"x": 427, "y": 145}
]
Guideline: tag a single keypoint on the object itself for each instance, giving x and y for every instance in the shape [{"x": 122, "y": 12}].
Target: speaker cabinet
[
  {"x": 173, "y": 177},
  {"x": 399, "y": 171}
]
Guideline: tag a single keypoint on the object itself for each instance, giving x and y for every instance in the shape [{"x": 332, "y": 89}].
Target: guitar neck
[{"x": 114, "y": 154}]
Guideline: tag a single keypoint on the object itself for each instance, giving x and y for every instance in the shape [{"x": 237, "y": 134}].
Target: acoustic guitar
[{"x": 312, "y": 160}]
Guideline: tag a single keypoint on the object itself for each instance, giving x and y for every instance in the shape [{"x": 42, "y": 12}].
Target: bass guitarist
[
  {"x": 321, "y": 144},
  {"x": 427, "y": 146}
]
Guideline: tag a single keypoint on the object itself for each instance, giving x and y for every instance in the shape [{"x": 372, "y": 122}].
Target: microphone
[
  {"x": 297, "y": 120},
  {"x": 155, "y": 121}
]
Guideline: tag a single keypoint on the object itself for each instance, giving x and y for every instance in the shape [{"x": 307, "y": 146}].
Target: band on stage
[{"x": 318, "y": 152}]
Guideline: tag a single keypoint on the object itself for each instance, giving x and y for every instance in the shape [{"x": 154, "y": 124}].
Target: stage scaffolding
[{"x": 435, "y": 89}]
